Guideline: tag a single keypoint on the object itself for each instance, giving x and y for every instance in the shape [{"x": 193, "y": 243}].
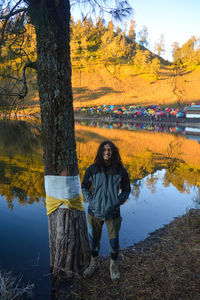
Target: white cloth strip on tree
[{"x": 62, "y": 187}]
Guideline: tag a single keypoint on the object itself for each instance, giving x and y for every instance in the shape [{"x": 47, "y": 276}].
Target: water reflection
[
  {"x": 190, "y": 132},
  {"x": 143, "y": 153},
  {"x": 24, "y": 231},
  {"x": 21, "y": 165},
  {"x": 156, "y": 127},
  {"x": 164, "y": 169},
  {"x": 155, "y": 206}
]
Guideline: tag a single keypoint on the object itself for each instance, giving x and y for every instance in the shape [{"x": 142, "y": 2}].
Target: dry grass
[
  {"x": 12, "y": 288},
  {"x": 102, "y": 87},
  {"x": 124, "y": 87},
  {"x": 164, "y": 266}
]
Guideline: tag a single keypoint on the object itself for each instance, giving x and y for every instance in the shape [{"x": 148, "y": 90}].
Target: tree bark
[
  {"x": 69, "y": 246},
  {"x": 66, "y": 232},
  {"x": 54, "y": 85}
]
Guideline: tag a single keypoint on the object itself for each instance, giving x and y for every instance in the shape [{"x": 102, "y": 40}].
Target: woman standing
[{"x": 110, "y": 188}]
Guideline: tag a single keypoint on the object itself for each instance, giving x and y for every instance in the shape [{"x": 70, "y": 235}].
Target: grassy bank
[{"x": 164, "y": 266}]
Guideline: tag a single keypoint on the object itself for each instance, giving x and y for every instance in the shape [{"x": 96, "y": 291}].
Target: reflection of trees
[
  {"x": 19, "y": 137},
  {"x": 182, "y": 176},
  {"x": 173, "y": 150},
  {"x": 26, "y": 188},
  {"x": 21, "y": 165},
  {"x": 136, "y": 189},
  {"x": 144, "y": 153},
  {"x": 151, "y": 182},
  {"x": 144, "y": 164},
  {"x": 197, "y": 198}
]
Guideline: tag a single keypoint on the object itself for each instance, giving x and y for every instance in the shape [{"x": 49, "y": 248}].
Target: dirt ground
[
  {"x": 166, "y": 265},
  {"x": 102, "y": 87}
]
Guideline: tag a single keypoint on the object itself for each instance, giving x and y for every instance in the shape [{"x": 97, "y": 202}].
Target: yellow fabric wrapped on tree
[
  {"x": 53, "y": 203},
  {"x": 64, "y": 192}
]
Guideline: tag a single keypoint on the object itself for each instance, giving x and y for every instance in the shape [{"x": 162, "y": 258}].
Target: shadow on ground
[{"x": 84, "y": 93}]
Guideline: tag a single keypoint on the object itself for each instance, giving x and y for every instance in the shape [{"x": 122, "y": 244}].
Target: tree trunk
[{"x": 69, "y": 247}]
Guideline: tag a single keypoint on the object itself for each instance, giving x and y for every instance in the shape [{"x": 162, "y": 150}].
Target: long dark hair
[{"x": 115, "y": 158}]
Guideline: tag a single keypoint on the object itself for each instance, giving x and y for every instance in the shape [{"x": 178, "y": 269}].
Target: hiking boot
[
  {"x": 93, "y": 266},
  {"x": 114, "y": 271}
]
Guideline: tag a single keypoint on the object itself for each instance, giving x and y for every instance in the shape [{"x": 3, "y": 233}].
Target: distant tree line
[
  {"x": 93, "y": 44},
  {"x": 189, "y": 54},
  {"x": 99, "y": 43}
]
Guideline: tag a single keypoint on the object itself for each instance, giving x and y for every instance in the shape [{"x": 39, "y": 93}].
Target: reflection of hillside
[
  {"x": 21, "y": 182},
  {"x": 19, "y": 137},
  {"x": 144, "y": 152},
  {"x": 26, "y": 187},
  {"x": 132, "y": 144},
  {"x": 21, "y": 165}
]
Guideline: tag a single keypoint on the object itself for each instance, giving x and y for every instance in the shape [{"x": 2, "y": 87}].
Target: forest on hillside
[
  {"x": 93, "y": 46},
  {"x": 99, "y": 43}
]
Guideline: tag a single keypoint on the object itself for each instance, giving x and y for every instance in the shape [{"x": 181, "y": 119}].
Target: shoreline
[
  {"x": 180, "y": 122},
  {"x": 173, "y": 121},
  {"x": 165, "y": 265}
]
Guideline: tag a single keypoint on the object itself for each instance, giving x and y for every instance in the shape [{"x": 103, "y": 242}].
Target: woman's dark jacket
[{"x": 110, "y": 189}]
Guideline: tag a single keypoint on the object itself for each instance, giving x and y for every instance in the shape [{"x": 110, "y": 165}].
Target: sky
[{"x": 177, "y": 20}]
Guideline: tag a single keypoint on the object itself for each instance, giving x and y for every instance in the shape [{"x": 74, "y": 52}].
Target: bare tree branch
[
  {"x": 11, "y": 14},
  {"x": 24, "y": 90},
  {"x": 13, "y": 28},
  {"x": 29, "y": 64},
  {"x": 122, "y": 7},
  {"x": 7, "y": 17},
  {"x": 10, "y": 77}
]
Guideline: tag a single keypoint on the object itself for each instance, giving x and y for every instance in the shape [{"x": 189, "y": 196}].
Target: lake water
[{"x": 164, "y": 169}]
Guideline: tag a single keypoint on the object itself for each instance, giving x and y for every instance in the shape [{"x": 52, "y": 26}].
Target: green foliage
[
  {"x": 142, "y": 60},
  {"x": 155, "y": 67},
  {"x": 99, "y": 44},
  {"x": 132, "y": 33},
  {"x": 188, "y": 55}
]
